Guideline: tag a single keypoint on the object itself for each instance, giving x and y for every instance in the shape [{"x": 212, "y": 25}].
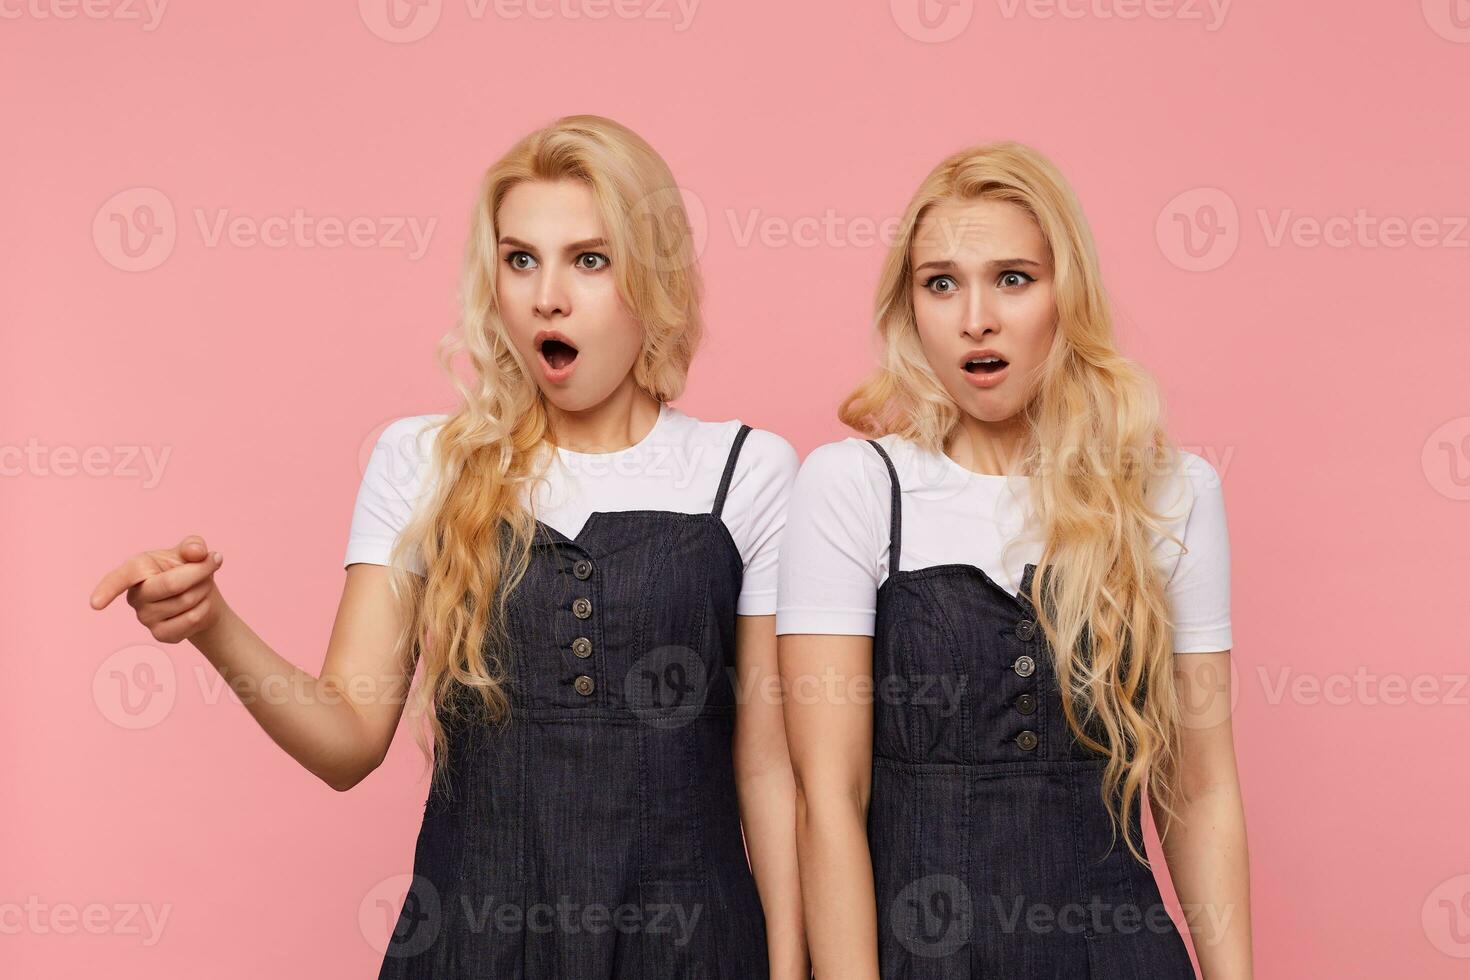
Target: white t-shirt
[
  {"x": 834, "y": 553},
  {"x": 676, "y": 467}
]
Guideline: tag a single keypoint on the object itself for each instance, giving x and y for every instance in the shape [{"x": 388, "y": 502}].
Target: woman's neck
[
  {"x": 617, "y": 422},
  {"x": 991, "y": 448}
]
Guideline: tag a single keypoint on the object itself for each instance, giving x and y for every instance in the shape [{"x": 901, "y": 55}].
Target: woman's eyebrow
[
  {"x": 584, "y": 244},
  {"x": 992, "y": 264}
]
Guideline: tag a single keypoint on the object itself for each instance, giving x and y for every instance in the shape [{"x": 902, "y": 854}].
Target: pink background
[{"x": 1327, "y": 382}]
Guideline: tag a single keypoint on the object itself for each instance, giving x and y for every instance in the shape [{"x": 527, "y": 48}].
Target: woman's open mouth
[
  {"x": 557, "y": 356},
  {"x": 985, "y": 365},
  {"x": 984, "y": 369}
]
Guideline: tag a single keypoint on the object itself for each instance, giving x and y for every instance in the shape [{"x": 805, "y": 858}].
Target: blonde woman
[
  {"x": 584, "y": 576},
  {"x": 971, "y": 749}
]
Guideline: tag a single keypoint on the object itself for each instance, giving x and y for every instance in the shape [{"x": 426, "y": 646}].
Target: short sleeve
[
  {"x": 394, "y": 482},
  {"x": 835, "y": 538},
  {"x": 1198, "y": 592},
  {"x": 755, "y": 511}
]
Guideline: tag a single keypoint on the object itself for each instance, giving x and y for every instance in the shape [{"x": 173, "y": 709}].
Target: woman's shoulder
[
  {"x": 1180, "y": 487},
  {"x": 402, "y": 455},
  {"x": 1200, "y": 472},
  {"x": 848, "y": 466},
  {"x": 762, "y": 451},
  {"x": 413, "y": 433},
  {"x": 412, "y": 436},
  {"x": 865, "y": 462},
  {"x": 851, "y": 455}
]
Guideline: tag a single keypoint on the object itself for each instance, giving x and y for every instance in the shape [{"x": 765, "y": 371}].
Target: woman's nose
[{"x": 551, "y": 297}]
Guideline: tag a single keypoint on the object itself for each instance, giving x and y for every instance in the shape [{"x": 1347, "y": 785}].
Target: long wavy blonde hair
[
  {"x": 473, "y": 532},
  {"x": 1094, "y": 445}
]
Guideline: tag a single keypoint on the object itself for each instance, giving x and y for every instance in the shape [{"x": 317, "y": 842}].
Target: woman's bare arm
[
  {"x": 1206, "y": 847},
  {"x": 338, "y": 725},
  {"x": 768, "y": 795},
  {"x": 829, "y": 725}
]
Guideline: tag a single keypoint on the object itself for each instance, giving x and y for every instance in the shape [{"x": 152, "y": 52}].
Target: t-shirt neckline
[
  {"x": 664, "y": 410},
  {"x": 955, "y": 469}
]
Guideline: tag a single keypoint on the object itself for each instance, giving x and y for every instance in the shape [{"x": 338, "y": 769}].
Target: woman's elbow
[
  {"x": 348, "y": 774},
  {"x": 830, "y": 801}
]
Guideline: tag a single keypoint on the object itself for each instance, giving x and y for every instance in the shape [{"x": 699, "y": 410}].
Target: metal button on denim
[
  {"x": 1026, "y": 741},
  {"x": 583, "y": 684},
  {"x": 582, "y": 607},
  {"x": 1025, "y": 630},
  {"x": 1024, "y": 665},
  {"x": 582, "y": 647},
  {"x": 1026, "y": 704},
  {"x": 582, "y": 569}
]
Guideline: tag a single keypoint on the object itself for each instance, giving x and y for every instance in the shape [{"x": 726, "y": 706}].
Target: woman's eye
[
  {"x": 592, "y": 260},
  {"x": 941, "y": 284},
  {"x": 520, "y": 260},
  {"x": 1021, "y": 276}
]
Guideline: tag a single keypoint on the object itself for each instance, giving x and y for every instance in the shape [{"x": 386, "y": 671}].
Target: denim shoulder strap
[
  {"x": 730, "y": 469},
  {"x": 895, "y": 533}
]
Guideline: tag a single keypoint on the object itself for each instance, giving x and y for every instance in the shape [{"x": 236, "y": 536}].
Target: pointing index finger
[{"x": 118, "y": 581}]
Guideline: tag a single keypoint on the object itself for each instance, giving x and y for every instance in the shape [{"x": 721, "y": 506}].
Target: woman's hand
[
  {"x": 337, "y": 725},
  {"x": 172, "y": 590}
]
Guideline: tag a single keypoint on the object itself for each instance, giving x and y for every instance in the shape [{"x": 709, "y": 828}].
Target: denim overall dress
[
  {"x": 596, "y": 835},
  {"x": 993, "y": 856}
]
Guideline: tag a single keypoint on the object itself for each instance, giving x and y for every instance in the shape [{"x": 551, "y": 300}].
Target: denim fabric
[
  {"x": 992, "y": 851},
  {"x": 597, "y": 833}
]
